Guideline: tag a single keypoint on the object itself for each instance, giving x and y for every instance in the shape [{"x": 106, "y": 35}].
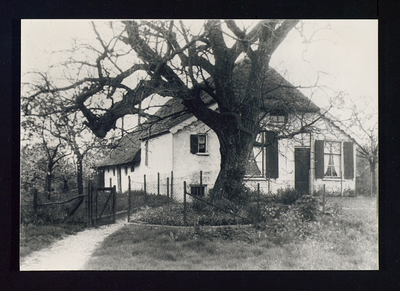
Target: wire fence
[{"x": 170, "y": 184}]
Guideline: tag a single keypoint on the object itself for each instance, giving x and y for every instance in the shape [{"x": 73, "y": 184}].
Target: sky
[{"x": 342, "y": 56}]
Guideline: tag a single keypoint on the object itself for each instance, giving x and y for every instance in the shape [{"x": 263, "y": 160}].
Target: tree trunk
[
  {"x": 234, "y": 149},
  {"x": 65, "y": 185},
  {"x": 48, "y": 185},
  {"x": 372, "y": 167},
  {"x": 79, "y": 174}
]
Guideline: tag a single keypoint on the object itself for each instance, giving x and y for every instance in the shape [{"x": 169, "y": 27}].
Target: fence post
[
  {"x": 144, "y": 188},
  {"x": 158, "y": 183},
  {"x": 172, "y": 183},
  {"x": 201, "y": 183},
  {"x": 258, "y": 204},
  {"x": 168, "y": 188},
  {"x": 184, "y": 203},
  {"x": 129, "y": 198},
  {"x": 372, "y": 181},
  {"x": 323, "y": 201},
  {"x": 114, "y": 194}
]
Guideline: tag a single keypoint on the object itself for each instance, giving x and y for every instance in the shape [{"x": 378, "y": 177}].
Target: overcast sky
[{"x": 342, "y": 56}]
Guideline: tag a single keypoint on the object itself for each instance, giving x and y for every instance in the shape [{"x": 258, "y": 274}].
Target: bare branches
[{"x": 106, "y": 92}]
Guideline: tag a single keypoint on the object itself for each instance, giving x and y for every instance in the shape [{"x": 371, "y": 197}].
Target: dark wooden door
[{"x": 302, "y": 169}]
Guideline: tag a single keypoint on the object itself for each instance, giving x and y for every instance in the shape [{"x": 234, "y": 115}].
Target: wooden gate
[{"x": 101, "y": 205}]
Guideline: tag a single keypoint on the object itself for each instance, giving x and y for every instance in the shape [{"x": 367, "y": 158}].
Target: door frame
[{"x": 308, "y": 164}]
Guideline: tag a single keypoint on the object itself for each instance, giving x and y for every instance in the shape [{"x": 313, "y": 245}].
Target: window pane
[
  {"x": 332, "y": 165},
  {"x": 202, "y": 148},
  {"x": 332, "y": 147},
  {"x": 197, "y": 190},
  {"x": 202, "y": 143}
]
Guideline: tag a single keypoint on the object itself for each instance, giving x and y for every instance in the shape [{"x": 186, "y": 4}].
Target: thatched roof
[
  {"x": 127, "y": 151},
  {"x": 278, "y": 94}
]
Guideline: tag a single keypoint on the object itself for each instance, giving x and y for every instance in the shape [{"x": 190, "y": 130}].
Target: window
[
  {"x": 264, "y": 159},
  {"x": 113, "y": 171},
  {"x": 126, "y": 170},
  {"x": 328, "y": 159},
  {"x": 132, "y": 168},
  {"x": 197, "y": 190},
  {"x": 278, "y": 117},
  {"x": 332, "y": 159},
  {"x": 198, "y": 143}
]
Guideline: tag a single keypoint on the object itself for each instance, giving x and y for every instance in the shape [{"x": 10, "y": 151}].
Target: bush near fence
[
  {"x": 55, "y": 213},
  {"x": 253, "y": 208}
]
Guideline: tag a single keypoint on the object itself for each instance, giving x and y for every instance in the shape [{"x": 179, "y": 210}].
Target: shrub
[
  {"x": 288, "y": 196},
  {"x": 349, "y": 193},
  {"x": 307, "y": 206}
]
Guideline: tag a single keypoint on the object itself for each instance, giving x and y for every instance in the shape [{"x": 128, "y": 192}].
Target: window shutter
[
  {"x": 348, "y": 157},
  {"x": 272, "y": 161},
  {"x": 194, "y": 143},
  {"x": 319, "y": 159}
]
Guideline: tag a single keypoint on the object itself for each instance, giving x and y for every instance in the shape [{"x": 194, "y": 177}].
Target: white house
[{"x": 178, "y": 148}]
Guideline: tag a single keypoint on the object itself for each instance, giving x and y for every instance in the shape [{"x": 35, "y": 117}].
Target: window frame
[
  {"x": 198, "y": 189},
  {"x": 269, "y": 156},
  {"x": 195, "y": 144},
  {"x": 274, "y": 115},
  {"x": 347, "y": 160},
  {"x": 203, "y": 144},
  {"x": 331, "y": 155}
]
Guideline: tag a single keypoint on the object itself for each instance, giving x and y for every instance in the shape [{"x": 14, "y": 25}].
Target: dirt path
[{"x": 70, "y": 253}]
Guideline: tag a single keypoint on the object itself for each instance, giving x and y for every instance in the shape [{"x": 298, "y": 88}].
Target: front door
[{"x": 302, "y": 169}]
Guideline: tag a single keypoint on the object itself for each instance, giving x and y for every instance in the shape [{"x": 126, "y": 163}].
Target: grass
[
  {"x": 36, "y": 237},
  {"x": 344, "y": 241}
]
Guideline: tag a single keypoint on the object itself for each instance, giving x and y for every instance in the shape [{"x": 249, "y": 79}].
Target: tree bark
[
  {"x": 48, "y": 185},
  {"x": 235, "y": 147}
]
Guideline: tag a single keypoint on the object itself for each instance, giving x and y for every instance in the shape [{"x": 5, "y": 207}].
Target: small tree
[
  {"x": 53, "y": 151},
  {"x": 369, "y": 151}
]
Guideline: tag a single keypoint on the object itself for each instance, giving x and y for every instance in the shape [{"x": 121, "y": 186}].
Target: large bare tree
[{"x": 169, "y": 59}]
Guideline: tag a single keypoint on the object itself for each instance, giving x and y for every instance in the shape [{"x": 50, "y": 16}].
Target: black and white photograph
[{"x": 188, "y": 144}]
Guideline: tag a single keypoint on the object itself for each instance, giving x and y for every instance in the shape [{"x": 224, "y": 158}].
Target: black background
[{"x": 387, "y": 12}]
